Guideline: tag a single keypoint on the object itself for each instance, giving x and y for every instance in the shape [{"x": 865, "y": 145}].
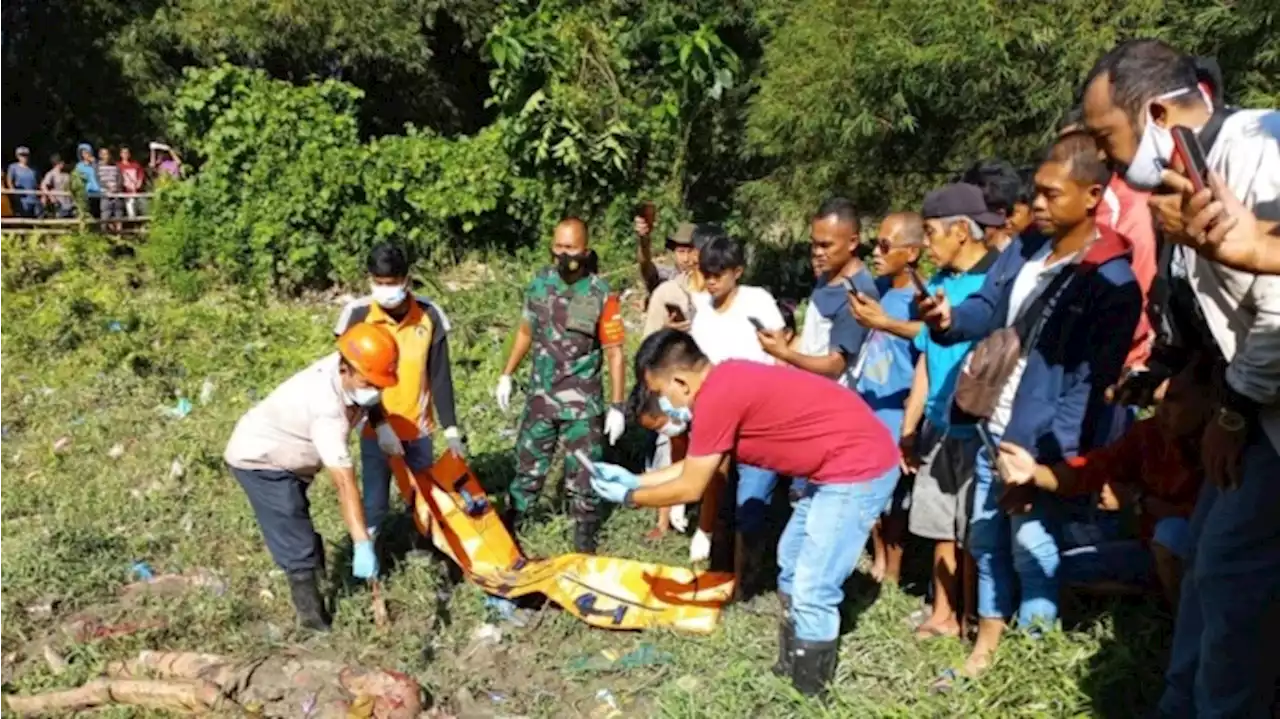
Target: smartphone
[
  {"x": 676, "y": 313},
  {"x": 758, "y": 324},
  {"x": 1187, "y": 147},
  {"x": 918, "y": 281},
  {"x": 648, "y": 211},
  {"x": 586, "y": 462},
  {"x": 849, "y": 286}
]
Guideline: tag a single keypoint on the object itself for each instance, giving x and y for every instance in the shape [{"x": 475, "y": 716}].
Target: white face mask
[
  {"x": 1155, "y": 150},
  {"x": 388, "y": 296},
  {"x": 365, "y": 396},
  {"x": 673, "y": 428}
]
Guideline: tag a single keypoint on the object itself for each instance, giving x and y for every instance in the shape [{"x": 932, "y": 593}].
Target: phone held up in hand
[
  {"x": 1187, "y": 148},
  {"x": 917, "y": 280},
  {"x": 587, "y": 464},
  {"x": 756, "y": 323},
  {"x": 675, "y": 313},
  {"x": 648, "y": 211}
]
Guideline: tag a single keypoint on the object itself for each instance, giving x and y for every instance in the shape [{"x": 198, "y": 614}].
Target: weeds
[{"x": 95, "y": 352}]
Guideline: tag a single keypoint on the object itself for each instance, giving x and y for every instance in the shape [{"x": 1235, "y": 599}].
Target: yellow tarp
[{"x": 605, "y": 592}]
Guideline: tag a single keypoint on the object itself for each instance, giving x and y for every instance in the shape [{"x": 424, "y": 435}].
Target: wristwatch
[
  {"x": 1231, "y": 420},
  {"x": 629, "y": 501}
]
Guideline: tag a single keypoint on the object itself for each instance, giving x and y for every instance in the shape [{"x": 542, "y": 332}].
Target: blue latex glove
[
  {"x": 611, "y": 482},
  {"x": 364, "y": 562}
]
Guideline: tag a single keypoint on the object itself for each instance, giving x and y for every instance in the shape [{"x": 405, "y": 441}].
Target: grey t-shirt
[{"x": 59, "y": 181}]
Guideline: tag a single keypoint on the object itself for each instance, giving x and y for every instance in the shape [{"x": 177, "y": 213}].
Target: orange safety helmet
[{"x": 372, "y": 351}]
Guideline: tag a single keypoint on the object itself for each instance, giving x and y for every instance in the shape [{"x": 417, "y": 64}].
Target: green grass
[{"x": 95, "y": 351}]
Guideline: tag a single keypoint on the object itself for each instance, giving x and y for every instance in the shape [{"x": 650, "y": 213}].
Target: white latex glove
[
  {"x": 700, "y": 547},
  {"x": 503, "y": 393},
  {"x": 388, "y": 442},
  {"x": 614, "y": 424},
  {"x": 453, "y": 438},
  {"x": 679, "y": 521}
]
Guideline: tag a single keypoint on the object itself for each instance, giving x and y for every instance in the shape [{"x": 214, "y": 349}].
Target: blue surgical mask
[{"x": 678, "y": 414}]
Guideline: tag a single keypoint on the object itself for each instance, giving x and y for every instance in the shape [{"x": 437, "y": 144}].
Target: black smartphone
[
  {"x": 758, "y": 324},
  {"x": 849, "y": 286},
  {"x": 1187, "y": 147},
  {"x": 917, "y": 280},
  {"x": 675, "y": 312},
  {"x": 587, "y": 464}
]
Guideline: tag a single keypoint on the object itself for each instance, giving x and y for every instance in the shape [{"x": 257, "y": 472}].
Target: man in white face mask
[
  {"x": 280, "y": 444},
  {"x": 402, "y": 423},
  {"x": 1223, "y": 661}
]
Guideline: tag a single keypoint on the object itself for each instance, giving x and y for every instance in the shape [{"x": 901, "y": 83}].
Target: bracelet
[{"x": 1231, "y": 420}]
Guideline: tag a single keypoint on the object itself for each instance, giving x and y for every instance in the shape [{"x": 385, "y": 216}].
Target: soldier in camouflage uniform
[{"x": 572, "y": 323}]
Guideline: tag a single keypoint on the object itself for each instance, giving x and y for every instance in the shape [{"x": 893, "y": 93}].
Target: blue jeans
[
  {"x": 755, "y": 492},
  {"x": 1012, "y": 551},
  {"x": 375, "y": 474},
  {"x": 1224, "y": 660},
  {"x": 1129, "y": 561},
  {"x": 820, "y": 548}
]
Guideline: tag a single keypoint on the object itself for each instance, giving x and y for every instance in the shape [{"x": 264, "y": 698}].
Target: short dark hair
[
  {"x": 1079, "y": 150},
  {"x": 1142, "y": 69},
  {"x": 720, "y": 255},
  {"x": 1001, "y": 187},
  {"x": 55, "y": 158},
  {"x": 666, "y": 350},
  {"x": 705, "y": 232},
  {"x": 842, "y": 207},
  {"x": 388, "y": 260},
  {"x": 641, "y": 402}
]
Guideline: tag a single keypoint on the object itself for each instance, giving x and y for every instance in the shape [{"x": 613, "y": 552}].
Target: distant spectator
[
  {"x": 134, "y": 177},
  {"x": 1005, "y": 192},
  {"x": 55, "y": 187},
  {"x": 87, "y": 169},
  {"x": 21, "y": 176},
  {"x": 109, "y": 181},
  {"x": 164, "y": 161}
]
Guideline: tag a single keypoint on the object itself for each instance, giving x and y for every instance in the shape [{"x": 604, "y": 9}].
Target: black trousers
[{"x": 280, "y": 503}]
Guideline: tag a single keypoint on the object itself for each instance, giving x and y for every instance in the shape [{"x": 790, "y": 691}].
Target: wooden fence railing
[{"x": 15, "y": 219}]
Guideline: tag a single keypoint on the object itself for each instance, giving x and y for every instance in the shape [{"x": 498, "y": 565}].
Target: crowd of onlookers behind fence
[{"x": 107, "y": 184}]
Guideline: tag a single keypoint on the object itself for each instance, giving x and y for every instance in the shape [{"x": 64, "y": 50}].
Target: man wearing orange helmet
[{"x": 304, "y": 425}]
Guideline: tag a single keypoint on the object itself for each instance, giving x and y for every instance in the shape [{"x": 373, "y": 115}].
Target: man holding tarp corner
[{"x": 793, "y": 422}]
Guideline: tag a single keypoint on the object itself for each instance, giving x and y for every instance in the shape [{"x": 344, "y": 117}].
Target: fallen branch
[{"x": 188, "y": 696}]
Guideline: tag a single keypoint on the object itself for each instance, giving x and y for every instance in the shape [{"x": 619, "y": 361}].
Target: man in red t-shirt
[{"x": 792, "y": 422}]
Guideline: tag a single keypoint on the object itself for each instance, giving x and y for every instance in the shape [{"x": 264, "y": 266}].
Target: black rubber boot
[
  {"x": 813, "y": 666},
  {"x": 585, "y": 540},
  {"x": 305, "y": 589},
  {"x": 786, "y": 639}
]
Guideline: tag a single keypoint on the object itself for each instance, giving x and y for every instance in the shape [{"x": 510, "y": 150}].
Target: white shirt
[
  {"x": 1031, "y": 281},
  {"x": 727, "y": 333},
  {"x": 302, "y": 426},
  {"x": 1242, "y": 309}
]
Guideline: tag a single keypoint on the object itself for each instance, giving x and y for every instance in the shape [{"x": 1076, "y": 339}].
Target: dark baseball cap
[
  {"x": 683, "y": 236},
  {"x": 960, "y": 199}
]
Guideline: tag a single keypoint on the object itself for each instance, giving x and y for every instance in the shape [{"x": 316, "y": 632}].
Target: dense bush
[{"x": 746, "y": 112}]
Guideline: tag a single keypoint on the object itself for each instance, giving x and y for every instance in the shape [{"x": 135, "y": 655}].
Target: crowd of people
[
  {"x": 1098, "y": 338},
  {"x": 114, "y": 184}
]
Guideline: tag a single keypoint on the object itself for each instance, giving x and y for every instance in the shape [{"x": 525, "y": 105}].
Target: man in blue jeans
[
  {"x": 795, "y": 423},
  {"x": 1072, "y": 297},
  {"x": 1224, "y": 661},
  {"x": 402, "y": 423}
]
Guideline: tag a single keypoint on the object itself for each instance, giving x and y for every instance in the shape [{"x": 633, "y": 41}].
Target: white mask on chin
[
  {"x": 364, "y": 396},
  {"x": 1155, "y": 149}
]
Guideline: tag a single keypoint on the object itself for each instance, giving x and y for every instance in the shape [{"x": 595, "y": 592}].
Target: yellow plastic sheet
[{"x": 451, "y": 507}]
